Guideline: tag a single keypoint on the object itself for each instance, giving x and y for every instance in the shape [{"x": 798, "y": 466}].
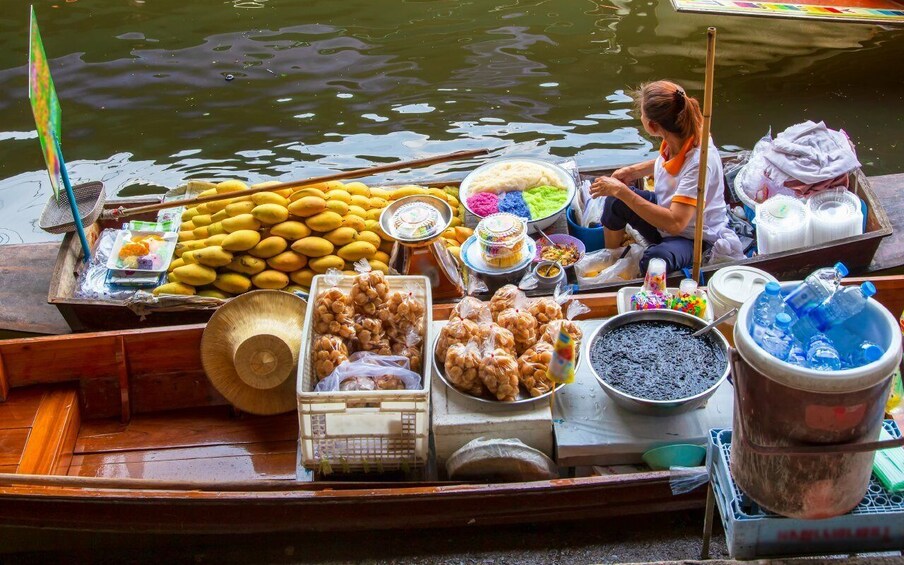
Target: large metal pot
[{"x": 645, "y": 405}]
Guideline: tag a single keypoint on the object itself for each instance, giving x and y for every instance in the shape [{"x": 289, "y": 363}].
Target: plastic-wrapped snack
[
  {"x": 505, "y": 298},
  {"x": 462, "y": 364},
  {"x": 370, "y": 289},
  {"x": 403, "y": 312},
  {"x": 523, "y": 326},
  {"x": 357, "y": 383},
  {"x": 499, "y": 373},
  {"x": 389, "y": 382},
  {"x": 379, "y": 346},
  {"x": 410, "y": 347},
  {"x": 496, "y": 337},
  {"x": 545, "y": 310},
  {"x": 532, "y": 367},
  {"x": 459, "y": 331},
  {"x": 333, "y": 309},
  {"x": 368, "y": 331},
  {"x": 551, "y": 332},
  {"x": 473, "y": 309},
  {"x": 329, "y": 353}
]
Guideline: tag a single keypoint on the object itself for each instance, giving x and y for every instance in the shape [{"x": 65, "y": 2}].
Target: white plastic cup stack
[
  {"x": 782, "y": 223},
  {"x": 834, "y": 214}
]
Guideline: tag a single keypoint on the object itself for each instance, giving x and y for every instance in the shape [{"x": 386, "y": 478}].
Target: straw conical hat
[{"x": 250, "y": 350}]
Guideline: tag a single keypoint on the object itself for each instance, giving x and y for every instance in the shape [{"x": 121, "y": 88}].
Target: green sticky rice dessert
[{"x": 544, "y": 200}]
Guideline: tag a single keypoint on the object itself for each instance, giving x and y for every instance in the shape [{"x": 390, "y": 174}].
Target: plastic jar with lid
[{"x": 501, "y": 237}]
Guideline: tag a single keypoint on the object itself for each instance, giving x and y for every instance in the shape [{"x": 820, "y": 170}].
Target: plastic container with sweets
[
  {"x": 501, "y": 238},
  {"x": 417, "y": 221}
]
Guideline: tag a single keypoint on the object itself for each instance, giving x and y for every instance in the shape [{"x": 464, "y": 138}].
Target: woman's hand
[
  {"x": 626, "y": 175},
  {"x": 607, "y": 186}
]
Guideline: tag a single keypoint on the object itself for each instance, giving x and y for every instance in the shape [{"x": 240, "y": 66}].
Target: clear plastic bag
[
  {"x": 93, "y": 279},
  {"x": 609, "y": 265},
  {"x": 387, "y": 372},
  {"x": 683, "y": 480}
]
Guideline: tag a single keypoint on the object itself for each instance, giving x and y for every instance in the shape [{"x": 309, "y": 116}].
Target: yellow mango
[
  {"x": 195, "y": 275},
  {"x": 270, "y": 279},
  {"x": 241, "y": 222},
  {"x": 273, "y": 245},
  {"x": 449, "y": 233},
  {"x": 357, "y": 211},
  {"x": 171, "y": 278},
  {"x": 290, "y": 230},
  {"x": 313, "y": 247},
  {"x": 371, "y": 225},
  {"x": 374, "y": 214},
  {"x": 217, "y": 205},
  {"x": 214, "y": 256},
  {"x": 307, "y": 206},
  {"x": 231, "y": 186},
  {"x": 269, "y": 198},
  {"x": 331, "y": 185},
  {"x": 350, "y": 273},
  {"x": 321, "y": 264},
  {"x": 408, "y": 190},
  {"x": 324, "y": 221},
  {"x": 186, "y": 235},
  {"x": 247, "y": 265},
  {"x": 270, "y": 214},
  {"x": 382, "y": 257},
  {"x": 378, "y": 203},
  {"x": 456, "y": 221},
  {"x": 369, "y": 237},
  {"x": 174, "y": 288},
  {"x": 208, "y": 192},
  {"x": 189, "y": 213},
  {"x": 219, "y": 216},
  {"x": 360, "y": 200},
  {"x": 302, "y": 277},
  {"x": 216, "y": 239},
  {"x": 378, "y": 266},
  {"x": 287, "y": 261},
  {"x": 307, "y": 191},
  {"x": 202, "y": 209},
  {"x": 294, "y": 287},
  {"x": 233, "y": 283},
  {"x": 337, "y": 206},
  {"x": 455, "y": 251},
  {"x": 339, "y": 194},
  {"x": 380, "y": 193},
  {"x": 241, "y": 240},
  {"x": 439, "y": 193},
  {"x": 350, "y": 221},
  {"x": 215, "y": 229},
  {"x": 386, "y": 246},
  {"x": 175, "y": 264},
  {"x": 214, "y": 293},
  {"x": 357, "y": 250},
  {"x": 453, "y": 202},
  {"x": 239, "y": 208},
  {"x": 341, "y": 235},
  {"x": 358, "y": 188},
  {"x": 383, "y": 235},
  {"x": 201, "y": 232},
  {"x": 462, "y": 233}
]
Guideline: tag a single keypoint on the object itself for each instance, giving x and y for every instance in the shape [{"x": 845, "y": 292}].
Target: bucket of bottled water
[{"x": 795, "y": 425}]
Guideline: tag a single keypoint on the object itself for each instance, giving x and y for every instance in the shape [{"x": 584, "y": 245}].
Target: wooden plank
[
  {"x": 889, "y": 190},
  {"x": 56, "y": 425},
  {"x": 20, "y": 408},
  {"x": 23, "y": 294},
  {"x": 267, "y": 460},
  {"x": 4, "y": 381},
  {"x": 61, "y": 359},
  {"x": 185, "y": 428},
  {"x": 154, "y": 393},
  {"x": 12, "y": 443}
]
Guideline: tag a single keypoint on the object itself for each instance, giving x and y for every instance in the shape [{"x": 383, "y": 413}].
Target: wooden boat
[
  {"x": 120, "y": 432},
  {"x": 95, "y": 315}
]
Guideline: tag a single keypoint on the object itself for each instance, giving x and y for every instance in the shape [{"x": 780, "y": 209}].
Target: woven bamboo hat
[{"x": 250, "y": 350}]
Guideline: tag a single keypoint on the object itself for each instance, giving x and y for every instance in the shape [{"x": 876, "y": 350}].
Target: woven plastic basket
[{"x": 57, "y": 215}]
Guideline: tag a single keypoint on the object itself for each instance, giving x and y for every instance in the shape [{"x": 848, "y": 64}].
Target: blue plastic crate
[{"x": 876, "y": 524}]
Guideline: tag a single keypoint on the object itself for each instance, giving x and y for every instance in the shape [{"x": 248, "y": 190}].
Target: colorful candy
[
  {"x": 484, "y": 204},
  {"x": 644, "y": 300}
]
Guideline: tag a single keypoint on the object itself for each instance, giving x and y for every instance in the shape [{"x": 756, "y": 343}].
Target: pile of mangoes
[{"x": 282, "y": 239}]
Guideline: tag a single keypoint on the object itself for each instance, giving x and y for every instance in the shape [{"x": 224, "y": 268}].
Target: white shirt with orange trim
[{"x": 683, "y": 188}]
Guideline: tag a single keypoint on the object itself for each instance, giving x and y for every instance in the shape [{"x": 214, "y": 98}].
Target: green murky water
[{"x": 320, "y": 86}]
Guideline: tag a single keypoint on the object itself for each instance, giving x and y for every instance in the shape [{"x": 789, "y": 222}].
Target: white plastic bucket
[{"x": 731, "y": 287}]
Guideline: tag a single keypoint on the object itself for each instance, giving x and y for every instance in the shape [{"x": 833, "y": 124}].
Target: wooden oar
[
  {"x": 357, "y": 173},
  {"x": 704, "y": 148}
]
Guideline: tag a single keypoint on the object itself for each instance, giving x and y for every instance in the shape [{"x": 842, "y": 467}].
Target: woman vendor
[{"x": 666, "y": 216}]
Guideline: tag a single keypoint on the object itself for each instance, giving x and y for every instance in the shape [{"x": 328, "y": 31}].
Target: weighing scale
[{"x": 417, "y": 223}]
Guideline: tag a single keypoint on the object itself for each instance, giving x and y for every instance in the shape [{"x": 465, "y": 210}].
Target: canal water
[{"x": 158, "y": 91}]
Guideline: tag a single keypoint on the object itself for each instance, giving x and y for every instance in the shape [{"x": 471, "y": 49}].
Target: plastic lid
[
  {"x": 687, "y": 286},
  {"x": 781, "y": 319},
  {"x": 868, "y": 289},
  {"x": 842, "y": 270},
  {"x": 773, "y": 288},
  {"x": 783, "y": 213},
  {"x": 732, "y": 286},
  {"x": 500, "y": 227},
  {"x": 872, "y": 352},
  {"x": 418, "y": 220}
]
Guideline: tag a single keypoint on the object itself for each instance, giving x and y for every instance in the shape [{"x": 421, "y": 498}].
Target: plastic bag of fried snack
[
  {"x": 385, "y": 372},
  {"x": 370, "y": 290},
  {"x": 496, "y": 337},
  {"x": 462, "y": 364},
  {"x": 333, "y": 308},
  {"x": 403, "y": 312},
  {"x": 459, "y": 331},
  {"x": 551, "y": 333},
  {"x": 473, "y": 309},
  {"x": 329, "y": 352},
  {"x": 532, "y": 367},
  {"x": 505, "y": 298},
  {"x": 368, "y": 331},
  {"x": 521, "y": 323},
  {"x": 499, "y": 373},
  {"x": 409, "y": 347},
  {"x": 548, "y": 309}
]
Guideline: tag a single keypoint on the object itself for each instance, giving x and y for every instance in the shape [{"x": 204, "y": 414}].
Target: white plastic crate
[
  {"x": 364, "y": 431},
  {"x": 876, "y": 524}
]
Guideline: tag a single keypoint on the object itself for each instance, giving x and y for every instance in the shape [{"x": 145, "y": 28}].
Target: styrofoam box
[
  {"x": 364, "y": 430},
  {"x": 876, "y": 524}
]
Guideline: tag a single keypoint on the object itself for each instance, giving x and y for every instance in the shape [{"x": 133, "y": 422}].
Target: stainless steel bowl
[
  {"x": 445, "y": 213},
  {"x": 646, "y": 405}
]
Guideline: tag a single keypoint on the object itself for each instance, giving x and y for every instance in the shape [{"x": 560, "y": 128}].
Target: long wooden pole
[
  {"x": 704, "y": 148},
  {"x": 357, "y": 173}
]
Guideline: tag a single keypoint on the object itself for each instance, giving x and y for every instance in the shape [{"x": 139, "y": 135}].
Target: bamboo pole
[
  {"x": 704, "y": 148},
  {"x": 357, "y": 173}
]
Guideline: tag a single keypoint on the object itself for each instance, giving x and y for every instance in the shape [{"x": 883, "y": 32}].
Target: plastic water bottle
[
  {"x": 797, "y": 355},
  {"x": 847, "y": 302},
  {"x": 767, "y": 305},
  {"x": 777, "y": 339},
  {"x": 815, "y": 289},
  {"x": 822, "y": 355},
  {"x": 863, "y": 354}
]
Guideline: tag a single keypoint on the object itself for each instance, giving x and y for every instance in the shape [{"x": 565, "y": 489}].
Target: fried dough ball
[
  {"x": 462, "y": 363},
  {"x": 357, "y": 383},
  {"x": 532, "y": 368},
  {"x": 412, "y": 352},
  {"x": 509, "y": 296},
  {"x": 333, "y": 314},
  {"x": 551, "y": 333},
  {"x": 473, "y": 309},
  {"x": 388, "y": 382},
  {"x": 369, "y": 292},
  {"x": 495, "y": 337},
  {"x": 459, "y": 331},
  {"x": 379, "y": 346},
  {"x": 499, "y": 373},
  {"x": 402, "y": 313},
  {"x": 329, "y": 352},
  {"x": 368, "y": 331},
  {"x": 545, "y": 310},
  {"x": 523, "y": 326}
]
